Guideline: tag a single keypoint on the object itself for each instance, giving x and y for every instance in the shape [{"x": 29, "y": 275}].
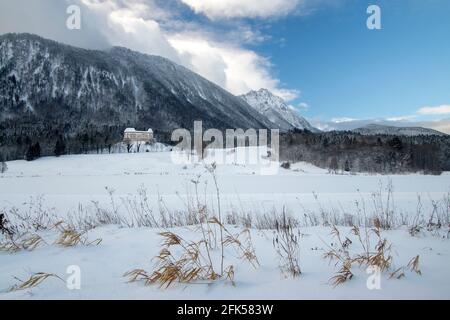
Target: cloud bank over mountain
[{"x": 160, "y": 28}]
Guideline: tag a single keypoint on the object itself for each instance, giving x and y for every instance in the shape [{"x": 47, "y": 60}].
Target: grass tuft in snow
[
  {"x": 413, "y": 265},
  {"x": 377, "y": 257},
  {"x": 287, "y": 246},
  {"x": 69, "y": 237},
  {"x": 34, "y": 281},
  {"x": 203, "y": 260}
]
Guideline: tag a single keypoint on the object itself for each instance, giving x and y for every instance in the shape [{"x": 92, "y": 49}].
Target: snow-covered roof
[{"x": 134, "y": 130}]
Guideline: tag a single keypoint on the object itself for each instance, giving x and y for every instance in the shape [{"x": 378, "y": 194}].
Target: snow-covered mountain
[
  {"x": 372, "y": 129},
  {"x": 349, "y": 124},
  {"x": 51, "y": 81},
  {"x": 276, "y": 110}
]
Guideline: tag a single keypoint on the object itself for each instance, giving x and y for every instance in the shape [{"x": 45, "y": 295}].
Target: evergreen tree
[
  {"x": 60, "y": 147},
  {"x": 396, "y": 143},
  {"x": 37, "y": 150},
  {"x": 347, "y": 166},
  {"x": 29, "y": 155},
  {"x": 33, "y": 152}
]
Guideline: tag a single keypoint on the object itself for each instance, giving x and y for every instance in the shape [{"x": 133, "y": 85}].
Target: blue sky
[
  {"x": 314, "y": 52},
  {"x": 344, "y": 69}
]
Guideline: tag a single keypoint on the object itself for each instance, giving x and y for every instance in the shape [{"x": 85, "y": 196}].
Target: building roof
[{"x": 134, "y": 130}]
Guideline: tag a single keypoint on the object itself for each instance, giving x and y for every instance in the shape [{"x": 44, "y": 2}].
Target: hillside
[
  {"x": 88, "y": 97},
  {"x": 276, "y": 110},
  {"x": 376, "y": 129}
]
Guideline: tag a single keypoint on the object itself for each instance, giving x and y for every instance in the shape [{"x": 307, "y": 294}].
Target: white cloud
[
  {"x": 131, "y": 24},
  {"x": 401, "y": 118},
  {"x": 245, "y": 34},
  {"x": 236, "y": 69},
  {"x": 157, "y": 28},
  {"x": 343, "y": 120},
  {"x": 439, "y": 110},
  {"x": 303, "y": 106},
  {"x": 242, "y": 8},
  {"x": 139, "y": 25},
  {"x": 439, "y": 125},
  {"x": 47, "y": 18}
]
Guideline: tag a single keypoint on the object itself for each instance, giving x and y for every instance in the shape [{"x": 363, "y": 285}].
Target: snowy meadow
[{"x": 138, "y": 226}]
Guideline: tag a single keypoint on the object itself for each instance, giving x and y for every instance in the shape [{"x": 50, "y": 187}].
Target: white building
[{"x": 131, "y": 135}]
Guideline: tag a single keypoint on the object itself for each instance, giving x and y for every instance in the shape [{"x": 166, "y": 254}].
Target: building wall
[{"x": 138, "y": 136}]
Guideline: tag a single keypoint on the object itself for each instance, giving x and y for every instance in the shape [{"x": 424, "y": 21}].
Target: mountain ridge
[
  {"x": 125, "y": 74},
  {"x": 377, "y": 129},
  {"x": 88, "y": 97},
  {"x": 276, "y": 110}
]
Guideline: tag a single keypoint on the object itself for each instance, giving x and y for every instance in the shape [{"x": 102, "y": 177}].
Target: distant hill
[{"x": 376, "y": 129}]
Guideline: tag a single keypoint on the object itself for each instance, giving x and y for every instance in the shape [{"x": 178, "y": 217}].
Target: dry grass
[
  {"x": 244, "y": 247},
  {"x": 137, "y": 211},
  {"x": 185, "y": 261},
  {"x": 69, "y": 237},
  {"x": 287, "y": 246},
  {"x": 136, "y": 275},
  {"x": 397, "y": 274},
  {"x": 9, "y": 246},
  {"x": 185, "y": 267},
  {"x": 26, "y": 242},
  {"x": 34, "y": 217},
  {"x": 32, "y": 242},
  {"x": 413, "y": 265},
  {"x": 212, "y": 171},
  {"x": 384, "y": 206},
  {"x": 35, "y": 280},
  {"x": 343, "y": 275},
  {"x": 14, "y": 241},
  {"x": 229, "y": 274},
  {"x": 378, "y": 257}
]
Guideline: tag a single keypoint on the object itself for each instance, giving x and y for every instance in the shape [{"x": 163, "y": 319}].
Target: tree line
[
  {"x": 353, "y": 152},
  {"x": 338, "y": 151},
  {"x": 35, "y": 138}
]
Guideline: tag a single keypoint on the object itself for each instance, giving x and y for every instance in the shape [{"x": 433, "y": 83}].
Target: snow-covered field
[
  {"x": 74, "y": 186},
  {"x": 69, "y": 180}
]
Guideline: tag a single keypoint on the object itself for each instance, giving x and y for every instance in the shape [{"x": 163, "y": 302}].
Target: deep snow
[{"x": 67, "y": 181}]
